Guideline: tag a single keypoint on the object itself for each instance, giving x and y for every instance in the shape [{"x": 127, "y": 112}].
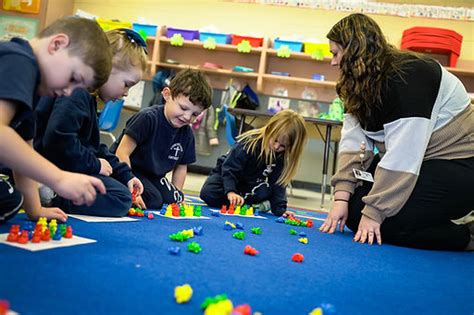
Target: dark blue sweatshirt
[
  {"x": 67, "y": 134},
  {"x": 20, "y": 77},
  {"x": 241, "y": 172}
]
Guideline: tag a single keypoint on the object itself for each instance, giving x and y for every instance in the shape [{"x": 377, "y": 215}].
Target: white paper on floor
[
  {"x": 239, "y": 215},
  {"x": 89, "y": 218},
  {"x": 180, "y": 218},
  {"x": 64, "y": 242}
]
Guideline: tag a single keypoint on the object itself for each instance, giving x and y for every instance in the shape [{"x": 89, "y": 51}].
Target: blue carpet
[{"x": 129, "y": 271}]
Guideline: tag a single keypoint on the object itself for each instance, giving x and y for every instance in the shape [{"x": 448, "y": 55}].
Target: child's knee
[
  {"x": 10, "y": 204},
  {"x": 204, "y": 194}
]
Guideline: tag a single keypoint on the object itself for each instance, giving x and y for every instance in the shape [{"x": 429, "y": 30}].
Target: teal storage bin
[
  {"x": 150, "y": 30},
  {"x": 294, "y": 46},
  {"x": 218, "y": 37}
]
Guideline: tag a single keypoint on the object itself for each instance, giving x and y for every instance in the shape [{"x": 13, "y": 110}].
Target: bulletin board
[{"x": 14, "y": 26}]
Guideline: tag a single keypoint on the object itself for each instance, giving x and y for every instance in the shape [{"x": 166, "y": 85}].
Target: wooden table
[{"x": 314, "y": 127}]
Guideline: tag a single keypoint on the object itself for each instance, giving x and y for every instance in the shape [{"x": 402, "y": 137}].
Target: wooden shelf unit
[{"x": 264, "y": 60}]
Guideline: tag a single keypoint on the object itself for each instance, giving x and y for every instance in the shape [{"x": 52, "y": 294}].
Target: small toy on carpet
[
  {"x": 41, "y": 232},
  {"x": 183, "y": 293},
  {"x": 219, "y": 304},
  {"x": 244, "y": 210},
  {"x": 239, "y": 235},
  {"x": 256, "y": 230},
  {"x": 249, "y": 250},
  {"x": 194, "y": 247},
  {"x": 298, "y": 257},
  {"x": 4, "y": 307},
  {"x": 181, "y": 210},
  {"x": 303, "y": 240},
  {"x": 137, "y": 212},
  {"x": 292, "y": 220}
]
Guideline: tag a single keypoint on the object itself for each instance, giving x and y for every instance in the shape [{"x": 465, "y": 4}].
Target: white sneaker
[
  {"x": 46, "y": 195},
  {"x": 263, "y": 206}
]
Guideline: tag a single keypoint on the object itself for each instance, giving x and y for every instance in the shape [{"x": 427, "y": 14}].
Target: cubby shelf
[{"x": 263, "y": 60}]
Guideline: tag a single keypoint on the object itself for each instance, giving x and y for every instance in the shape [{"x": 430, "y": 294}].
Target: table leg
[
  {"x": 242, "y": 123},
  {"x": 327, "y": 141},
  {"x": 334, "y": 161}
]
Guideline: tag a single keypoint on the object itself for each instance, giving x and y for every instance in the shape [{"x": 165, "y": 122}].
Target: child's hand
[
  {"x": 288, "y": 213},
  {"x": 135, "y": 185},
  {"x": 79, "y": 188},
  {"x": 49, "y": 213},
  {"x": 235, "y": 199},
  {"x": 213, "y": 142},
  {"x": 139, "y": 202},
  {"x": 105, "y": 168}
]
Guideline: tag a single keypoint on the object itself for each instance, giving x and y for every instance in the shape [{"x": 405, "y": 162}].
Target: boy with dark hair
[
  {"x": 159, "y": 139},
  {"x": 63, "y": 57}
]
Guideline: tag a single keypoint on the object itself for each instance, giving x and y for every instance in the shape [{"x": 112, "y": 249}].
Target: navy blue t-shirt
[
  {"x": 160, "y": 146},
  {"x": 20, "y": 76},
  {"x": 68, "y": 135}
]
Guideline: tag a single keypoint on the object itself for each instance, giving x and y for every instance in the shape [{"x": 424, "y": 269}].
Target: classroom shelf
[{"x": 300, "y": 66}]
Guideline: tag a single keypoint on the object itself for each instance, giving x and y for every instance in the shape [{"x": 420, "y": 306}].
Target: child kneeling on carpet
[
  {"x": 259, "y": 166},
  {"x": 159, "y": 139},
  {"x": 68, "y": 134},
  {"x": 70, "y": 53}
]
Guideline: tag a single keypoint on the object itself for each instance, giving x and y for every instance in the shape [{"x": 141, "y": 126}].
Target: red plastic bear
[{"x": 298, "y": 257}]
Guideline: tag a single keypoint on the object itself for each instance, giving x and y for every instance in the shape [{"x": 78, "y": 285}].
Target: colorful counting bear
[
  {"x": 189, "y": 233},
  {"x": 136, "y": 212},
  {"x": 182, "y": 210},
  {"x": 174, "y": 250},
  {"x": 303, "y": 240},
  {"x": 197, "y": 230},
  {"x": 183, "y": 293},
  {"x": 218, "y": 305},
  {"x": 57, "y": 236},
  {"x": 297, "y": 257},
  {"x": 291, "y": 220},
  {"x": 244, "y": 210},
  {"x": 256, "y": 230},
  {"x": 239, "y": 235},
  {"x": 41, "y": 232},
  {"x": 229, "y": 226},
  {"x": 194, "y": 247},
  {"x": 243, "y": 309},
  {"x": 178, "y": 237},
  {"x": 249, "y": 250}
]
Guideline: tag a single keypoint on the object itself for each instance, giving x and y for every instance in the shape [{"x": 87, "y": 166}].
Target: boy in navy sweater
[
  {"x": 70, "y": 53},
  {"x": 159, "y": 139},
  {"x": 68, "y": 134}
]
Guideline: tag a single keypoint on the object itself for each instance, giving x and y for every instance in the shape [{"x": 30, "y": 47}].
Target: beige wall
[{"x": 255, "y": 19}]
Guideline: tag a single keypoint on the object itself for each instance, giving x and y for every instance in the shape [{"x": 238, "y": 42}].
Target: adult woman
[{"x": 419, "y": 117}]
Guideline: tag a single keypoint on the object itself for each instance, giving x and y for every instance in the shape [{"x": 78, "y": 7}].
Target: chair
[
  {"x": 230, "y": 126},
  {"x": 109, "y": 118}
]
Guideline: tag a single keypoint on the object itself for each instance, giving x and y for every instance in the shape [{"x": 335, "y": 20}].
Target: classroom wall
[
  {"x": 265, "y": 20},
  {"x": 268, "y": 21}
]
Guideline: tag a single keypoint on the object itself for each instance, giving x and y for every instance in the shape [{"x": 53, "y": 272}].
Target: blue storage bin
[
  {"x": 150, "y": 30},
  {"x": 218, "y": 37},
  {"x": 294, "y": 46}
]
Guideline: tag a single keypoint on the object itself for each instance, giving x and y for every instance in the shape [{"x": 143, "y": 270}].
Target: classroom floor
[{"x": 297, "y": 198}]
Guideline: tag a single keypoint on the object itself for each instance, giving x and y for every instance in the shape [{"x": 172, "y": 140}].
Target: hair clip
[{"x": 136, "y": 38}]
